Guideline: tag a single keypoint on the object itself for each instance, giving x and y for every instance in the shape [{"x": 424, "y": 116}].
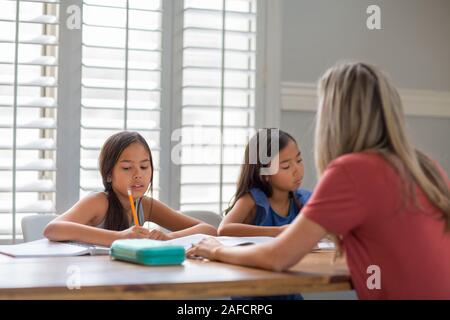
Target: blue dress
[{"x": 266, "y": 216}]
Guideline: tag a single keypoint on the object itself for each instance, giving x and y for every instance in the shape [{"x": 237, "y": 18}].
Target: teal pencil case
[{"x": 147, "y": 252}]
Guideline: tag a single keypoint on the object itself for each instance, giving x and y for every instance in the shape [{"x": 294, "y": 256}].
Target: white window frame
[{"x": 69, "y": 112}]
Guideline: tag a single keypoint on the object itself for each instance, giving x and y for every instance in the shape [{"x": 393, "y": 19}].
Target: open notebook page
[
  {"x": 188, "y": 241},
  {"x": 46, "y": 248}
]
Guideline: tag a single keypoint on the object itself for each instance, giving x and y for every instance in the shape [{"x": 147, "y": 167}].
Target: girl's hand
[
  {"x": 156, "y": 234},
  {"x": 135, "y": 232},
  {"x": 207, "y": 248}
]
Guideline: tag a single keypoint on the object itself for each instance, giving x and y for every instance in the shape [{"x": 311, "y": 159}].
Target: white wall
[{"x": 413, "y": 47}]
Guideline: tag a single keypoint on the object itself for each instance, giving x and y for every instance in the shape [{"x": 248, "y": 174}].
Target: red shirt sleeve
[{"x": 335, "y": 204}]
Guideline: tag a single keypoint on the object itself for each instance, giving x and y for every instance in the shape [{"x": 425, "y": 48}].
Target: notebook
[
  {"x": 188, "y": 241},
  {"x": 47, "y": 248}
]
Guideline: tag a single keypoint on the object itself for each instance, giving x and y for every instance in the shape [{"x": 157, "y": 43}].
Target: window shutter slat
[
  {"x": 110, "y": 104},
  {"x": 42, "y": 40},
  {"x": 43, "y": 19},
  {"x": 29, "y": 186},
  {"x": 37, "y": 144},
  {"x": 43, "y": 1},
  {"x": 42, "y": 123},
  {"x": 29, "y": 82},
  {"x": 42, "y": 206},
  {"x": 30, "y": 102},
  {"x": 31, "y": 165}
]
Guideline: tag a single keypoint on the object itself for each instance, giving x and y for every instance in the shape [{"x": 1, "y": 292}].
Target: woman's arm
[
  {"x": 283, "y": 252},
  {"x": 180, "y": 224},
  {"x": 77, "y": 224},
  {"x": 237, "y": 222}
]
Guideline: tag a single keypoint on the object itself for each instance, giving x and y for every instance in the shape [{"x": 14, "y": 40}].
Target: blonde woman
[{"x": 387, "y": 202}]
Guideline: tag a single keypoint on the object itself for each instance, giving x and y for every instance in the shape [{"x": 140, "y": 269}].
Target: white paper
[
  {"x": 46, "y": 248},
  {"x": 188, "y": 241},
  {"x": 325, "y": 245}
]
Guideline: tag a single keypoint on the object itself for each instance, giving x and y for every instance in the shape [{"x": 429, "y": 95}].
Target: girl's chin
[{"x": 138, "y": 192}]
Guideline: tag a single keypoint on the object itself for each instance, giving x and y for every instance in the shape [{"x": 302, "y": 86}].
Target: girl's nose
[
  {"x": 136, "y": 174},
  {"x": 297, "y": 168}
]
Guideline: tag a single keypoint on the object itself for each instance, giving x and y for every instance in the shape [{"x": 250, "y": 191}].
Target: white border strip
[{"x": 297, "y": 96}]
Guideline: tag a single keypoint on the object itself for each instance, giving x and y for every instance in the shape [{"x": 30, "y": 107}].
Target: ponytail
[{"x": 115, "y": 218}]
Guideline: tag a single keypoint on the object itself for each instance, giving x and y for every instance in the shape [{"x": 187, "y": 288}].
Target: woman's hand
[
  {"x": 207, "y": 248},
  {"x": 135, "y": 232}
]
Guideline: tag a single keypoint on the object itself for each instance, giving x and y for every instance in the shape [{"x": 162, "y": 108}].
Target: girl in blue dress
[{"x": 268, "y": 195}]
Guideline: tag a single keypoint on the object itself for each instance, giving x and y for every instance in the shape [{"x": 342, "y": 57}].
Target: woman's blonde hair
[{"x": 359, "y": 110}]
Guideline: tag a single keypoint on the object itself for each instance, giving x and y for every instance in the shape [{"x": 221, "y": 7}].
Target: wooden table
[{"x": 99, "y": 277}]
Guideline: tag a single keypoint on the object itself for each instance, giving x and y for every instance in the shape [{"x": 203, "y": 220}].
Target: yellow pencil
[{"x": 133, "y": 208}]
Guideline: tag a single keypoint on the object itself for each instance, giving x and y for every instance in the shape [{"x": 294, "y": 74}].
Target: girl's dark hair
[
  {"x": 250, "y": 174},
  {"x": 109, "y": 155}
]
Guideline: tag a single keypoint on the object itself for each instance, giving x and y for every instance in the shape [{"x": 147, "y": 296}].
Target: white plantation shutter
[
  {"x": 121, "y": 79},
  {"x": 28, "y": 69},
  {"x": 218, "y": 98},
  {"x": 114, "y": 76}
]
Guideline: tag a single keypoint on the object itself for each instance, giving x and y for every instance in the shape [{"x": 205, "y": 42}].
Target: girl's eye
[
  {"x": 144, "y": 168},
  {"x": 285, "y": 168},
  {"x": 126, "y": 168},
  {"x": 299, "y": 160}
]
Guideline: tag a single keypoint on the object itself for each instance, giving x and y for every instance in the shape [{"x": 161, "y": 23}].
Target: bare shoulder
[
  {"x": 158, "y": 212},
  {"x": 151, "y": 203},
  {"x": 146, "y": 200},
  {"x": 246, "y": 201},
  {"x": 97, "y": 199},
  {"x": 243, "y": 211},
  {"x": 91, "y": 209},
  {"x": 153, "y": 207}
]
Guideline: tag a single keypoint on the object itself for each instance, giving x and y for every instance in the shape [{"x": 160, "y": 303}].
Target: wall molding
[{"x": 298, "y": 96}]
